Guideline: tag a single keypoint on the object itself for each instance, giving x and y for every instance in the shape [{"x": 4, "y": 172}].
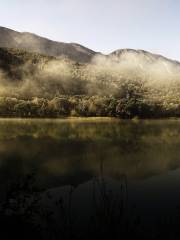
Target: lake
[{"x": 85, "y": 176}]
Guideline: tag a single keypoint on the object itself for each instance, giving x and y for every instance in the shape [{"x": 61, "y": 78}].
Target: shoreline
[{"x": 89, "y": 119}]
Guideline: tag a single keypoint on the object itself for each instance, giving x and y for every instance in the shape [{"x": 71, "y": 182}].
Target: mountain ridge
[
  {"x": 119, "y": 52},
  {"x": 34, "y": 43}
]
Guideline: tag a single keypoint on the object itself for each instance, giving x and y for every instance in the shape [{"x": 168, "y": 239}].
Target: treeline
[{"x": 85, "y": 106}]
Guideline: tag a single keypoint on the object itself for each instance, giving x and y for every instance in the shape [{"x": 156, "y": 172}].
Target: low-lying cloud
[{"x": 105, "y": 75}]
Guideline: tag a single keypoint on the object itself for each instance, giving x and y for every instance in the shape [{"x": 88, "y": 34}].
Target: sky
[{"x": 102, "y": 25}]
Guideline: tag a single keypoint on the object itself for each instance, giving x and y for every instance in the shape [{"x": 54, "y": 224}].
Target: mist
[{"x": 104, "y": 76}]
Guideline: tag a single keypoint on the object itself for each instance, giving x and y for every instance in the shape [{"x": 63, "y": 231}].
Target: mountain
[
  {"x": 125, "y": 83},
  {"x": 146, "y": 56},
  {"x": 13, "y": 62},
  {"x": 76, "y": 52},
  {"x": 34, "y": 43}
]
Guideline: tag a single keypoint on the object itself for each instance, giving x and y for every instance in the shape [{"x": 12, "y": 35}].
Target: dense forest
[
  {"x": 131, "y": 85},
  {"x": 85, "y": 106}
]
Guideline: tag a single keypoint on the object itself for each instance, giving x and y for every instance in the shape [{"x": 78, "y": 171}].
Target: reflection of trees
[
  {"x": 59, "y": 148},
  {"x": 18, "y": 210}
]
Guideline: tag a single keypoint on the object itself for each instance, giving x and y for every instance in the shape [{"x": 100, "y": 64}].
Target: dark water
[{"x": 80, "y": 178}]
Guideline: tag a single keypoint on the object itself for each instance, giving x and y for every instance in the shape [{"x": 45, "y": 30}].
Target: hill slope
[
  {"x": 13, "y": 62},
  {"x": 125, "y": 83},
  {"x": 31, "y": 42}
]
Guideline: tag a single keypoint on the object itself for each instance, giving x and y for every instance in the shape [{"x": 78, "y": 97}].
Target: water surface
[{"x": 135, "y": 163}]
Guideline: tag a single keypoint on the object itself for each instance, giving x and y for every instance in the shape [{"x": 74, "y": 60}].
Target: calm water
[{"x": 93, "y": 169}]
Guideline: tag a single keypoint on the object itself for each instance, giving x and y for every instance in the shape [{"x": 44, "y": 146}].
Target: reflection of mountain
[
  {"x": 95, "y": 208},
  {"x": 101, "y": 199},
  {"x": 83, "y": 167},
  {"x": 87, "y": 198},
  {"x": 98, "y": 207}
]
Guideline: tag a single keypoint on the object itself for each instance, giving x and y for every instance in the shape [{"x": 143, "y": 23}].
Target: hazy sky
[{"x": 102, "y": 25}]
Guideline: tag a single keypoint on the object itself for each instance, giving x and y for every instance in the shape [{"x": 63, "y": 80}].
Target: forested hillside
[{"x": 125, "y": 84}]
